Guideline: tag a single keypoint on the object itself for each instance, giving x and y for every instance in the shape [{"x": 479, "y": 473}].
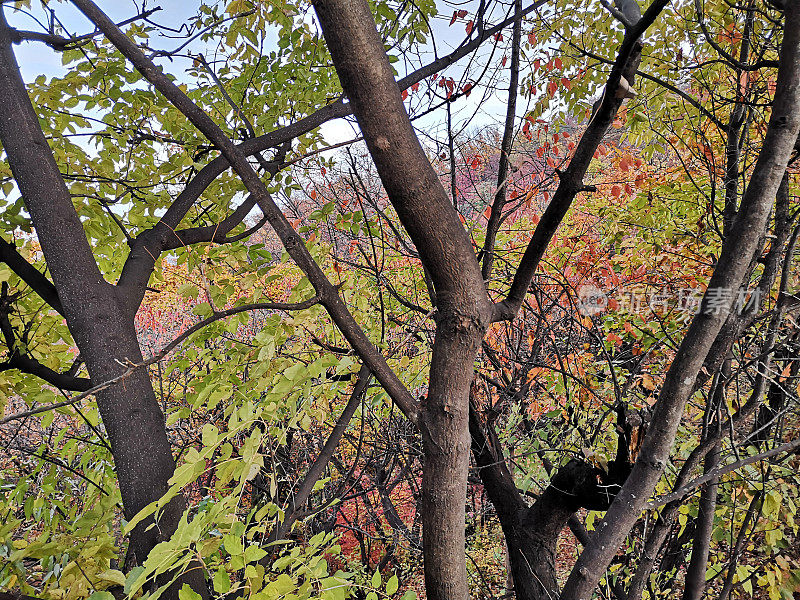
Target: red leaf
[
  {"x": 455, "y": 16},
  {"x": 558, "y": 63},
  {"x": 616, "y": 191},
  {"x": 566, "y": 82},
  {"x": 505, "y": 60},
  {"x": 552, "y": 87},
  {"x": 415, "y": 87},
  {"x": 498, "y": 37},
  {"x": 487, "y": 213},
  {"x": 532, "y": 38},
  {"x": 405, "y": 94},
  {"x": 628, "y": 188},
  {"x": 469, "y": 27},
  {"x": 467, "y": 89},
  {"x": 462, "y": 14}
]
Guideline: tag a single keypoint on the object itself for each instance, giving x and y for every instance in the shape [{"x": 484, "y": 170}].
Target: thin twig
[{"x": 131, "y": 366}]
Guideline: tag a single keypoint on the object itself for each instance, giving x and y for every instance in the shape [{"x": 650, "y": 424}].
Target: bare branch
[{"x": 681, "y": 493}]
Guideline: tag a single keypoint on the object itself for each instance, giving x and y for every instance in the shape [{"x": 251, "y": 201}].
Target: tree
[{"x": 100, "y": 315}]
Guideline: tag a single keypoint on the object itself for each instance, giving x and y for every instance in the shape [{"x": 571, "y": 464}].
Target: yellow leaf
[{"x": 113, "y": 576}]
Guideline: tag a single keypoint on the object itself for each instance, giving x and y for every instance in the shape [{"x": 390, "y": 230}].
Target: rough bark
[
  {"x": 463, "y": 307},
  {"x": 532, "y": 532},
  {"x": 735, "y": 258},
  {"x": 95, "y": 314}
]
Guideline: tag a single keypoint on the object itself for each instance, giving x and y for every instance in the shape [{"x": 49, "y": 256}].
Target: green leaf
[
  {"x": 233, "y": 545},
  {"x": 254, "y": 553},
  {"x": 132, "y": 583},
  {"x": 185, "y": 593},
  {"x": 222, "y": 581},
  {"x": 376, "y": 580},
  {"x": 392, "y": 585}
]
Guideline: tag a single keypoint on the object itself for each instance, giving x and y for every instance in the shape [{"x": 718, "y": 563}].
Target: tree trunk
[
  {"x": 463, "y": 306},
  {"x": 100, "y": 324},
  {"x": 695, "y": 581},
  {"x": 532, "y": 532},
  {"x": 733, "y": 263}
]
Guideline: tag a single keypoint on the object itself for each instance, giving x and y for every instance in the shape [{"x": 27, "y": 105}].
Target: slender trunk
[
  {"x": 734, "y": 260},
  {"x": 696, "y": 573},
  {"x": 493, "y": 226},
  {"x": 695, "y": 581},
  {"x": 447, "y": 255}
]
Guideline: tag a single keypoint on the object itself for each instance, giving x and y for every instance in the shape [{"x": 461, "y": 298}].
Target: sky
[{"x": 35, "y": 58}]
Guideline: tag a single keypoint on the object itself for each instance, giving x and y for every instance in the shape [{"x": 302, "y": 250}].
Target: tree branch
[
  {"x": 327, "y": 292},
  {"x": 131, "y": 367},
  {"x": 30, "y": 275},
  {"x": 681, "y": 493},
  {"x": 571, "y": 180},
  {"x": 60, "y": 43},
  {"x": 145, "y": 250}
]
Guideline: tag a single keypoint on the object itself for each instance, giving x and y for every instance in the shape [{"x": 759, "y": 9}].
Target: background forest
[{"x": 399, "y": 299}]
